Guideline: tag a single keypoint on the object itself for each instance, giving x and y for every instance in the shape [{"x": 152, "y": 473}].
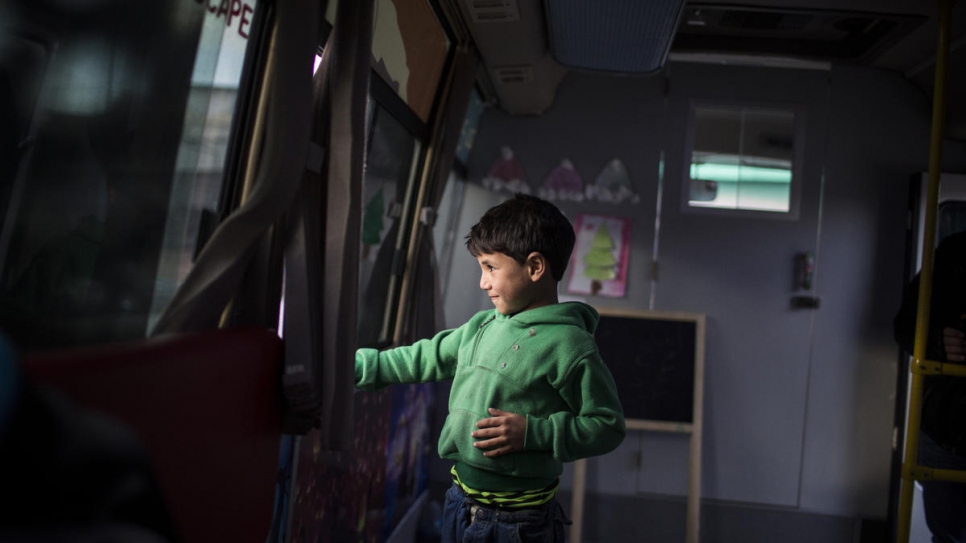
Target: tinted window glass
[
  {"x": 388, "y": 177},
  {"x": 114, "y": 145}
]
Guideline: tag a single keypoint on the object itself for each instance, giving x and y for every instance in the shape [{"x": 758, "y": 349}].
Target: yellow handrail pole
[{"x": 925, "y": 273}]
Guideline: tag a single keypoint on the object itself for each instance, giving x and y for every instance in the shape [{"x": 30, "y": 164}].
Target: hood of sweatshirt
[{"x": 576, "y": 314}]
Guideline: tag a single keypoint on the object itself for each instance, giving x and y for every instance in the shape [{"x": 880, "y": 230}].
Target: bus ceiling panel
[
  {"x": 895, "y": 35},
  {"x": 522, "y": 44},
  {"x": 512, "y": 41},
  {"x": 921, "y": 71},
  {"x": 806, "y": 32}
]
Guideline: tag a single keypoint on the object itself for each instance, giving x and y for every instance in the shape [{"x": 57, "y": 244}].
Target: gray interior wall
[
  {"x": 871, "y": 158},
  {"x": 738, "y": 271},
  {"x": 868, "y": 132}
]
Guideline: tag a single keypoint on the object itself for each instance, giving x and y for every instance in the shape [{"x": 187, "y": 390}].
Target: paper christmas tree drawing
[
  {"x": 600, "y": 255},
  {"x": 599, "y": 261}
]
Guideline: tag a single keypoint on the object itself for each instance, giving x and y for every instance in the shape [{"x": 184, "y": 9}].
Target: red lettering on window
[
  {"x": 231, "y": 9},
  {"x": 245, "y": 21},
  {"x": 235, "y": 10}
]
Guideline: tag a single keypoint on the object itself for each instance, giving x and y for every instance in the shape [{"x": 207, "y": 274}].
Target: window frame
[
  {"x": 382, "y": 95},
  {"x": 798, "y": 156},
  {"x": 392, "y": 105}
]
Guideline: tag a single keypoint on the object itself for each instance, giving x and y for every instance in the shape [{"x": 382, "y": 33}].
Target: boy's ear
[{"x": 537, "y": 266}]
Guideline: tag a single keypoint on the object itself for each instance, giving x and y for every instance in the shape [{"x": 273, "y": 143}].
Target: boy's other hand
[
  {"x": 954, "y": 343},
  {"x": 500, "y": 434}
]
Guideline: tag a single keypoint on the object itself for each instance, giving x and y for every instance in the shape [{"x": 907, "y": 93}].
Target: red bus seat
[{"x": 207, "y": 407}]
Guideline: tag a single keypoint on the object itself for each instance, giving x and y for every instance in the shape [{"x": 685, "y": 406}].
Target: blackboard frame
[
  {"x": 655, "y": 361},
  {"x": 692, "y": 427}
]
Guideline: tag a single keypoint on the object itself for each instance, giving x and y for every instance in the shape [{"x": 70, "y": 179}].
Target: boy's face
[{"x": 508, "y": 283}]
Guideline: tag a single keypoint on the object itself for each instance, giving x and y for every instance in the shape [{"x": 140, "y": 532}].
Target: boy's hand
[
  {"x": 954, "y": 343},
  {"x": 503, "y": 433}
]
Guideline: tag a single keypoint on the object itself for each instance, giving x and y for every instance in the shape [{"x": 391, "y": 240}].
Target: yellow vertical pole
[{"x": 926, "y": 273}]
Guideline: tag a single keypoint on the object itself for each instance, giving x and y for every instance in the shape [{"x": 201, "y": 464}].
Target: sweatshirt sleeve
[
  {"x": 424, "y": 361},
  {"x": 595, "y": 425}
]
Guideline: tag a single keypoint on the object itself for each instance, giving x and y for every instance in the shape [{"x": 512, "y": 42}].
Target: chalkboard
[
  {"x": 654, "y": 358},
  {"x": 657, "y": 359}
]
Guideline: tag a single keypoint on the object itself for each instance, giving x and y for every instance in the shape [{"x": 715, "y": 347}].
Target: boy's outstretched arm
[
  {"x": 500, "y": 434},
  {"x": 424, "y": 361}
]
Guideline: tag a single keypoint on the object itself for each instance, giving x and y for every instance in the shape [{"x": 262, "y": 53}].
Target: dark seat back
[{"x": 207, "y": 408}]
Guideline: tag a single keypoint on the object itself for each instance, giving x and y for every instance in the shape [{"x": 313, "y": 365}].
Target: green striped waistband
[{"x": 520, "y": 499}]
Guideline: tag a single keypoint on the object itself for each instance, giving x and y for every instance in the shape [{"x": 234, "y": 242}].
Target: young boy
[{"x": 530, "y": 390}]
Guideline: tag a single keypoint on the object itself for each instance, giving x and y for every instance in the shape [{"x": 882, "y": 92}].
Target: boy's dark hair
[{"x": 522, "y": 225}]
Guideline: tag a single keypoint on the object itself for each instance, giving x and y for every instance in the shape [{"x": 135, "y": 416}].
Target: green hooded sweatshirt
[{"x": 542, "y": 363}]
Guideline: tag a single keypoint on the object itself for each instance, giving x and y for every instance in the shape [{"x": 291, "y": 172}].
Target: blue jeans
[
  {"x": 466, "y": 522},
  {"x": 944, "y": 502}
]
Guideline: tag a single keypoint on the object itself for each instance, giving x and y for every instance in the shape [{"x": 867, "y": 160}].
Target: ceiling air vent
[
  {"x": 493, "y": 11},
  {"x": 619, "y": 36},
  {"x": 513, "y": 74}
]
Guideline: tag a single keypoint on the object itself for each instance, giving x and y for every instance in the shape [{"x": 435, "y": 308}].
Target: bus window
[
  {"x": 123, "y": 149},
  {"x": 389, "y": 172},
  {"x": 22, "y": 68},
  {"x": 445, "y": 235},
  {"x": 742, "y": 159},
  {"x": 474, "y": 110},
  {"x": 200, "y": 166},
  {"x": 447, "y": 239},
  {"x": 409, "y": 49}
]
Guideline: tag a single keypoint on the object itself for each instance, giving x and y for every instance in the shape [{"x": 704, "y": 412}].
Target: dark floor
[{"x": 648, "y": 519}]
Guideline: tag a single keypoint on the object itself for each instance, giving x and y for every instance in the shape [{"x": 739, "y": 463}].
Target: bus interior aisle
[{"x": 207, "y": 206}]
